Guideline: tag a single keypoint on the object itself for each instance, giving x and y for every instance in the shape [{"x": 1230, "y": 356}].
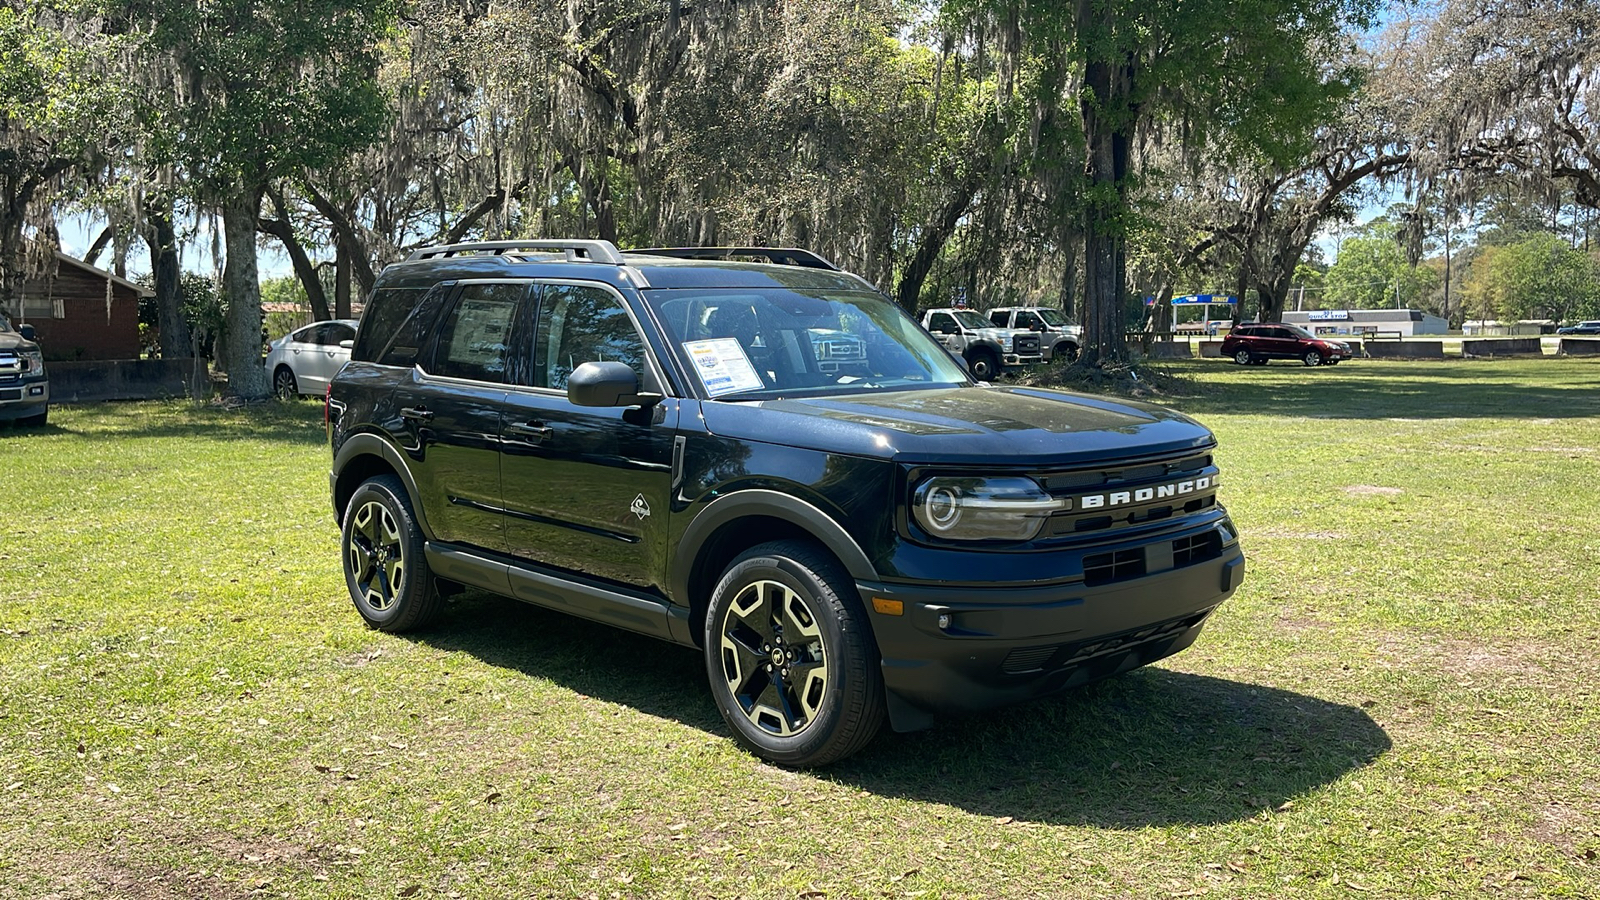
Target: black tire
[
  {"x": 805, "y": 702},
  {"x": 984, "y": 364},
  {"x": 1244, "y": 358},
  {"x": 384, "y": 565},
  {"x": 36, "y": 421},
  {"x": 1312, "y": 358},
  {"x": 1065, "y": 352},
  {"x": 284, "y": 386}
]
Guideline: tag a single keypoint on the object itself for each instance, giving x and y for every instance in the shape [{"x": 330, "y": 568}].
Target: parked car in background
[
  {"x": 1254, "y": 344},
  {"x": 1588, "y": 327},
  {"x": 306, "y": 359},
  {"x": 988, "y": 350},
  {"x": 24, "y": 387},
  {"x": 1059, "y": 339}
]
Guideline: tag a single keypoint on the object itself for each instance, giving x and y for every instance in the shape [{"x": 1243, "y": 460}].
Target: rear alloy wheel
[
  {"x": 384, "y": 567},
  {"x": 1312, "y": 358},
  {"x": 1243, "y": 358},
  {"x": 984, "y": 365},
  {"x": 284, "y": 387},
  {"x": 1065, "y": 353},
  {"x": 790, "y": 656}
]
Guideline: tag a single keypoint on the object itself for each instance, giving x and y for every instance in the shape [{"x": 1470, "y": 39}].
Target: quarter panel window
[{"x": 579, "y": 324}]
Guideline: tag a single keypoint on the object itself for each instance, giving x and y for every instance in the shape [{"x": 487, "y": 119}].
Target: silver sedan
[{"x": 306, "y": 359}]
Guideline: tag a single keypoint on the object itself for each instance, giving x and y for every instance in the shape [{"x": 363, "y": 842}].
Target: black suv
[{"x": 656, "y": 440}]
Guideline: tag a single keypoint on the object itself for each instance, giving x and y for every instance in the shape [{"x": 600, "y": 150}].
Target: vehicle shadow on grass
[{"x": 1153, "y": 747}]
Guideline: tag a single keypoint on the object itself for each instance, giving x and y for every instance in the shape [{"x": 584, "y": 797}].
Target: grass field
[{"x": 1400, "y": 702}]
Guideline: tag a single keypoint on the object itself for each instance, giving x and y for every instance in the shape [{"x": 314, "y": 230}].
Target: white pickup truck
[
  {"x": 1059, "y": 340},
  {"x": 988, "y": 350}
]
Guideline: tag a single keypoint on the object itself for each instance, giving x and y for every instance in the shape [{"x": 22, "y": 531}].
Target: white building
[{"x": 1405, "y": 322}]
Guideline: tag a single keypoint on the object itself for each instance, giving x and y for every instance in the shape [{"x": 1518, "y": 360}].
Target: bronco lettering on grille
[{"x": 1111, "y": 499}]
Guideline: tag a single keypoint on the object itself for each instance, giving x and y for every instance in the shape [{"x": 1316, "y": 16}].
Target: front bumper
[
  {"x": 956, "y": 650},
  {"x": 22, "y": 399},
  {"x": 1030, "y": 359}
]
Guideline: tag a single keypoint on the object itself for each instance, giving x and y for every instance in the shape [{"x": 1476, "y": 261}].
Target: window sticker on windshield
[{"x": 723, "y": 366}]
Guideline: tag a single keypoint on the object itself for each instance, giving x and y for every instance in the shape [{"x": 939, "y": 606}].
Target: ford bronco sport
[{"x": 659, "y": 440}]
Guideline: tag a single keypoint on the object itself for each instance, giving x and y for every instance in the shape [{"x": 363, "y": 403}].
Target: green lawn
[{"x": 1400, "y": 702}]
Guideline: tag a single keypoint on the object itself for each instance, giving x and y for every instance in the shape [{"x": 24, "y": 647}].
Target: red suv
[{"x": 1253, "y": 345}]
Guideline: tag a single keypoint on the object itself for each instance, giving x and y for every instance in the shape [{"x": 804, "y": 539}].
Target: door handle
[
  {"x": 416, "y": 413},
  {"x": 536, "y": 430}
]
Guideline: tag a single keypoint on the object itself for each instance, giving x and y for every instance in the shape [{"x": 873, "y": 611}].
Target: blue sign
[
  {"x": 1202, "y": 299},
  {"x": 1323, "y": 315}
]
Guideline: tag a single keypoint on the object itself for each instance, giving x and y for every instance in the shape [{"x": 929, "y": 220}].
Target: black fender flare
[
  {"x": 370, "y": 444},
  {"x": 768, "y": 504},
  {"x": 976, "y": 344}
]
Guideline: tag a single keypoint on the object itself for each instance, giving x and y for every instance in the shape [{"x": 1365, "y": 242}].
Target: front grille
[
  {"x": 1025, "y": 344},
  {"x": 1122, "y": 565},
  {"x": 1196, "y": 548},
  {"x": 1105, "y": 568},
  {"x": 12, "y": 394},
  {"x": 1115, "y": 498}
]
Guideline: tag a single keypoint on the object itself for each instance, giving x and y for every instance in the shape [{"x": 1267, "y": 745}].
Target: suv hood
[{"x": 965, "y": 425}]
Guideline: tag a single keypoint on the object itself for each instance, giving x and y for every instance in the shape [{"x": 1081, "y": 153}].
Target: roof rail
[
  {"x": 784, "y": 256},
  {"x": 576, "y": 251}
]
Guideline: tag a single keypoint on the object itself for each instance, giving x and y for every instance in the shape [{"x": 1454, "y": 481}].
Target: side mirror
[
  {"x": 347, "y": 344},
  {"x": 26, "y": 331},
  {"x": 606, "y": 384}
]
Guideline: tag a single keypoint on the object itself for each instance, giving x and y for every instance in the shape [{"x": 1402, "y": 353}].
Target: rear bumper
[{"x": 999, "y": 646}]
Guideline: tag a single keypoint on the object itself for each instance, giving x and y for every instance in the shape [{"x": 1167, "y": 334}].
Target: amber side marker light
[{"x": 889, "y": 607}]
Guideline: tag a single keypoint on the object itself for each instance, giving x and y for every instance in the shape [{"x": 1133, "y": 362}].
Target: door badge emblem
[{"x": 640, "y": 508}]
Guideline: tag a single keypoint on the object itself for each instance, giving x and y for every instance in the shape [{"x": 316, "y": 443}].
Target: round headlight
[
  {"x": 1001, "y": 508},
  {"x": 943, "y": 508}
]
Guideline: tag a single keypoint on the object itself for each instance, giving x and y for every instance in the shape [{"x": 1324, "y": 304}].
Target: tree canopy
[{"x": 1080, "y": 155}]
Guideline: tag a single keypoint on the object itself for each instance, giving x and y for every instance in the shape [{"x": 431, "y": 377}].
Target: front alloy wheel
[
  {"x": 773, "y": 659},
  {"x": 1312, "y": 358},
  {"x": 790, "y": 656},
  {"x": 984, "y": 366}
]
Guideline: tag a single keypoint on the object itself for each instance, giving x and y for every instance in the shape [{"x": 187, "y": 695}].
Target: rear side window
[{"x": 474, "y": 338}]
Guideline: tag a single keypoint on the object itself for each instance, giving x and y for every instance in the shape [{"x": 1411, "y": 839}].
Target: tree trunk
[
  {"x": 163, "y": 240},
  {"x": 344, "y": 232},
  {"x": 282, "y": 229},
  {"x": 341, "y": 281},
  {"x": 246, "y": 376},
  {"x": 1106, "y": 121}
]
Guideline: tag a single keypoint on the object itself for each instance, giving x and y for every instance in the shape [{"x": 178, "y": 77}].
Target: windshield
[
  {"x": 1052, "y": 316},
  {"x": 761, "y": 344},
  {"x": 972, "y": 319},
  {"x": 1301, "y": 332}
]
